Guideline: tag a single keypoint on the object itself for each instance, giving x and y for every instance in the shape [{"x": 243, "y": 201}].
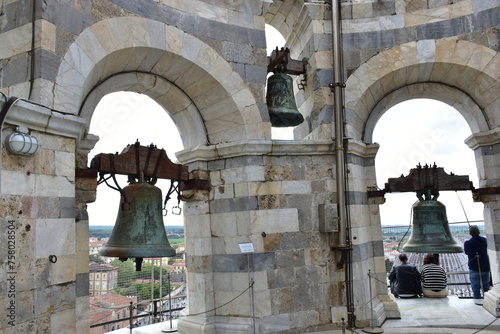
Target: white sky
[{"x": 424, "y": 131}]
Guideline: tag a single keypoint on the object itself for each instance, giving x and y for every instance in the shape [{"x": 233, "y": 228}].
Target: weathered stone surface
[
  {"x": 237, "y": 204},
  {"x": 205, "y": 62}
]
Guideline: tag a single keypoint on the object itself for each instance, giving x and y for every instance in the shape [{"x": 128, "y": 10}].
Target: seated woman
[
  {"x": 434, "y": 281},
  {"x": 405, "y": 279}
]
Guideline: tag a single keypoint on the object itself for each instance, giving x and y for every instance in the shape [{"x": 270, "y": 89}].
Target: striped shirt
[{"x": 433, "y": 277}]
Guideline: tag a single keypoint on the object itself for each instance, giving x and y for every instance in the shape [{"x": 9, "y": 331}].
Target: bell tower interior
[{"x": 309, "y": 207}]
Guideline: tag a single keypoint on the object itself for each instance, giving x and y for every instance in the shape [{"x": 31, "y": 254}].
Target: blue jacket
[{"x": 477, "y": 244}]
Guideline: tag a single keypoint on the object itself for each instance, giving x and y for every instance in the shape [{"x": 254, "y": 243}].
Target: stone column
[
  {"x": 486, "y": 146},
  {"x": 199, "y": 273},
  {"x": 38, "y": 207},
  {"x": 366, "y": 237},
  {"x": 280, "y": 196},
  {"x": 85, "y": 192},
  {"x": 492, "y": 224}
]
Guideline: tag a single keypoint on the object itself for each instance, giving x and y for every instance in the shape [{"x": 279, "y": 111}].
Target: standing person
[
  {"x": 434, "y": 280},
  {"x": 476, "y": 249},
  {"x": 405, "y": 279}
]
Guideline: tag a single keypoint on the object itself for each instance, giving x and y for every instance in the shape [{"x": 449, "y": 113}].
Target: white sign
[{"x": 246, "y": 247}]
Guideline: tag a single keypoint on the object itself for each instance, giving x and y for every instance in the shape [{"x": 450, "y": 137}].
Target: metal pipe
[
  {"x": 32, "y": 53},
  {"x": 336, "y": 87}
]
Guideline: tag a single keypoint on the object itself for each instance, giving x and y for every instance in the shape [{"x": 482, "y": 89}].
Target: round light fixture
[{"x": 22, "y": 143}]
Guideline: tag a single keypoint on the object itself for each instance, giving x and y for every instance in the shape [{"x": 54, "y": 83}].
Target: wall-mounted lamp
[{"x": 20, "y": 142}]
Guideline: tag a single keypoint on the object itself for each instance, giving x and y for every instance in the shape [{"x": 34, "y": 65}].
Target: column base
[
  {"x": 219, "y": 325},
  {"x": 491, "y": 302},
  {"x": 391, "y": 308},
  {"x": 195, "y": 325}
]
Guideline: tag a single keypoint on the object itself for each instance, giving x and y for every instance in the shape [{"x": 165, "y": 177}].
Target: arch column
[
  {"x": 486, "y": 146},
  {"x": 279, "y": 195},
  {"x": 366, "y": 237}
]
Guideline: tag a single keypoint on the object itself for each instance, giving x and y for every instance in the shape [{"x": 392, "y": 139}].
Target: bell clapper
[{"x": 138, "y": 263}]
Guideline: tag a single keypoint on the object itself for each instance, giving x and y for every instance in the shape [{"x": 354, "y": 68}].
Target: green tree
[
  {"x": 96, "y": 258},
  {"x": 126, "y": 272},
  {"x": 143, "y": 290}
]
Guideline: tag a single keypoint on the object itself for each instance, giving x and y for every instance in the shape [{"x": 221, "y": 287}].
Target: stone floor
[{"x": 449, "y": 315}]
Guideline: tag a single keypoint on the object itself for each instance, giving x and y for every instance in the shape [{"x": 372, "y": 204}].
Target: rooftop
[{"x": 99, "y": 267}]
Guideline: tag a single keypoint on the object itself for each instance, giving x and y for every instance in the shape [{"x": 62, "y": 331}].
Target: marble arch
[
  {"x": 184, "y": 75},
  {"x": 176, "y": 103},
  {"x": 453, "y": 71},
  {"x": 436, "y": 91}
]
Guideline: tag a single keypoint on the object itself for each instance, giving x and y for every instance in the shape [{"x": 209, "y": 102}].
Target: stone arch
[
  {"x": 452, "y": 96},
  {"x": 178, "y": 104},
  {"x": 187, "y": 77},
  {"x": 284, "y": 15},
  {"x": 427, "y": 68}
]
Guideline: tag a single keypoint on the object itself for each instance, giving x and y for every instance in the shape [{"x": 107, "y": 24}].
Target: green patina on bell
[
  {"x": 281, "y": 105},
  {"x": 139, "y": 231},
  {"x": 431, "y": 231}
]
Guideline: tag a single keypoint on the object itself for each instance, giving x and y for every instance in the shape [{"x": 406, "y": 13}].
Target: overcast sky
[
  {"x": 426, "y": 132},
  {"x": 412, "y": 132}
]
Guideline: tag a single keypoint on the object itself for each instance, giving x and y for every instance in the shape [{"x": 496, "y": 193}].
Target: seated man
[
  {"x": 434, "y": 280},
  {"x": 405, "y": 279}
]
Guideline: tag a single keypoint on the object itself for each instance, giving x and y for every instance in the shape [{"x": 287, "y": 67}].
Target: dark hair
[
  {"x": 474, "y": 230},
  {"x": 429, "y": 258},
  {"x": 403, "y": 257}
]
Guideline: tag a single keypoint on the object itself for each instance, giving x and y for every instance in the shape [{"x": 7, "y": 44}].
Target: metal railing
[{"x": 137, "y": 298}]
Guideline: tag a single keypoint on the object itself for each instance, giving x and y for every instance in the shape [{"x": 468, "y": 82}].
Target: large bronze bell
[
  {"x": 139, "y": 231},
  {"x": 280, "y": 100},
  {"x": 431, "y": 232}
]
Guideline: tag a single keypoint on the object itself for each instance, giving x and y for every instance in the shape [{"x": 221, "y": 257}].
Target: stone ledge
[
  {"x": 37, "y": 117},
  {"x": 273, "y": 148},
  {"x": 485, "y": 138}
]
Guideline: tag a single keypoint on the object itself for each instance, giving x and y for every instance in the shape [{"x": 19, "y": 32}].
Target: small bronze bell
[
  {"x": 280, "y": 99},
  {"x": 139, "y": 231},
  {"x": 431, "y": 232}
]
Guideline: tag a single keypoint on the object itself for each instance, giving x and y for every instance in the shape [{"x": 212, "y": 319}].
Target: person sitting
[
  {"x": 405, "y": 279},
  {"x": 434, "y": 280}
]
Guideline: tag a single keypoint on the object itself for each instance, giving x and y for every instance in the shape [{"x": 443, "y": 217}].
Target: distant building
[
  {"x": 110, "y": 307},
  {"x": 178, "y": 267},
  {"x": 102, "y": 278},
  {"x": 180, "y": 248},
  {"x": 95, "y": 246},
  {"x": 157, "y": 260}
]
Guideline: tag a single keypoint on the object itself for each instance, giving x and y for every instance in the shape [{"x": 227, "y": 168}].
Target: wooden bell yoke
[{"x": 149, "y": 160}]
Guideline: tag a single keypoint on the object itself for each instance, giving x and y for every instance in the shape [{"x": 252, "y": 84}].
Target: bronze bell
[
  {"x": 139, "y": 231},
  {"x": 431, "y": 232},
  {"x": 280, "y": 100}
]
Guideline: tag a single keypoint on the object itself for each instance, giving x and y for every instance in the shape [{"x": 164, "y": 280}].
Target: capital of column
[{"x": 484, "y": 138}]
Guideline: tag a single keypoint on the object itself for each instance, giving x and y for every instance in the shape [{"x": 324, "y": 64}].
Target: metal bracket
[{"x": 280, "y": 61}]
